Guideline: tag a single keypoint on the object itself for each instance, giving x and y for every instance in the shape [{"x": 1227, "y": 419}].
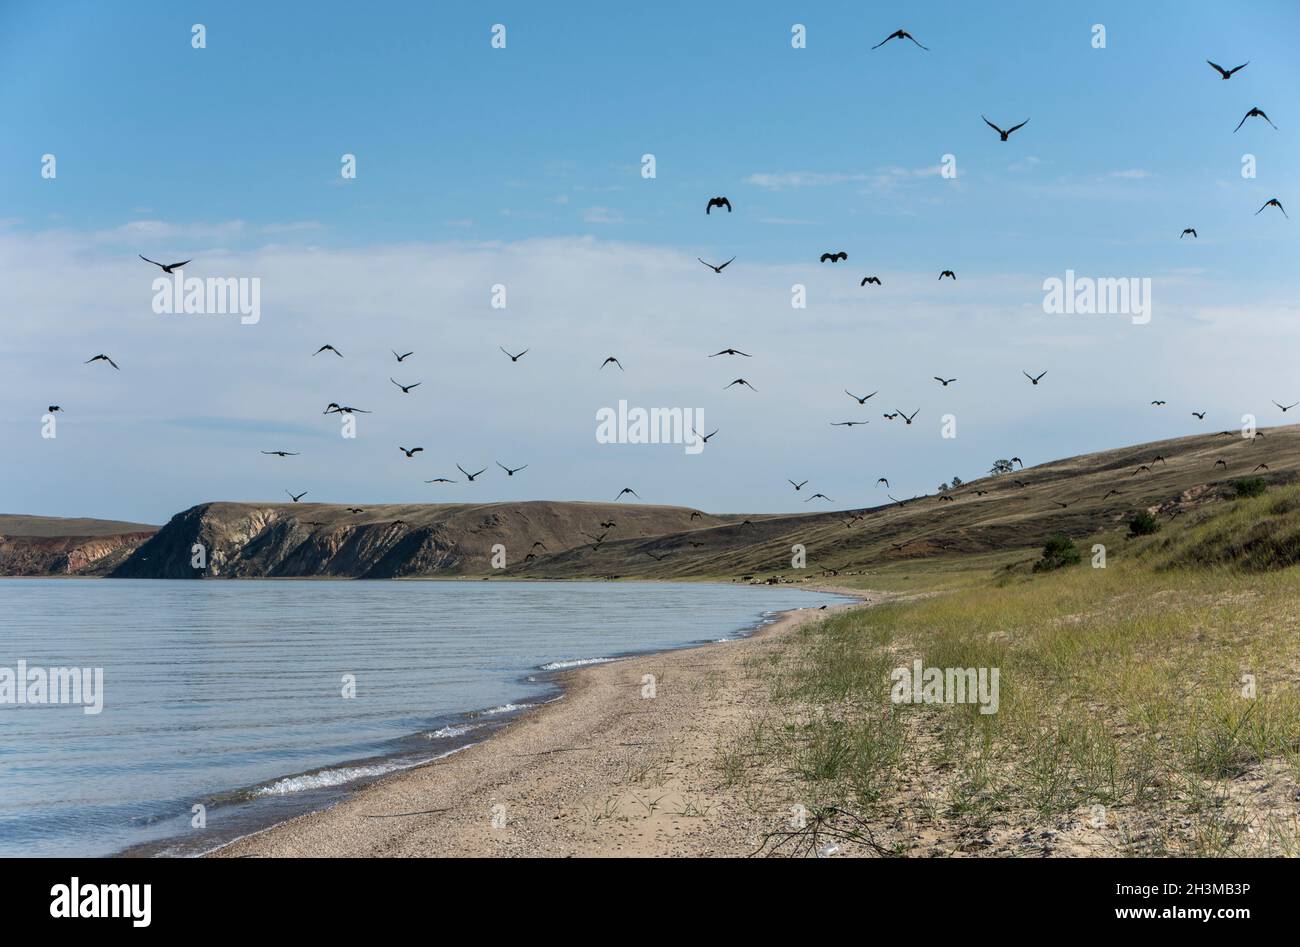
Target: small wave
[
  {"x": 326, "y": 778},
  {"x": 504, "y": 709},
  {"x": 574, "y": 663},
  {"x": 451, "y": 730}
]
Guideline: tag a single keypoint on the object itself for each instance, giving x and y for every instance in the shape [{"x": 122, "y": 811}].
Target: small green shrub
[
  {"x": 1058, "y": 551},
  {"x": 1250, "y": 486},
  {"x": 1143, "y": 524}
]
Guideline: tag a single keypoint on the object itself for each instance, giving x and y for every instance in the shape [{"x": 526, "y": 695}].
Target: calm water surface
[{"x": 230, "y": 694}]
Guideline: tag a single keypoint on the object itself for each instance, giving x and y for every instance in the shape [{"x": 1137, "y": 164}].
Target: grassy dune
[{"x": 1122, "y": 728}]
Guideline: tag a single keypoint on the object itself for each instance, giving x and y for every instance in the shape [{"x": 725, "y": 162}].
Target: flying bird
[
  {"x": 410, "y": 453},
  {"x": 1032, "y": 378},
  {"x": 899, "y": 34},
  {"x": 281, "y": 453},
  {"x": 165, "y": 267},
  {"x": 510, "y": 472},
  {"x": 327, "y": 348},
  {"x": 1199, "y": 415},
  {"x": 1145, "y": 467},
  {"x": 440, "y": 480},
  {"x": 903, "y": 415},
  {"x": 1186, "y": 231},
  {"x": 656, "y": 558},
  {"x": 469, "y": 476},
  {"x": 515, "y": 358},
  {"x": 54, "y": 407},
  {"x": 1157, "y": 403},
  {"x": 1005, "y": 134},
  {"x": 717, "y": 202},
  {"x": 720, "y": 268},
  {"x": 1221, "y": 463},
  {"x": 401, "y": 358},
  {"x": 1273, "y": 202},
  {"x": 1256, "y": 112},
  {"x": 635, "y": 494},
  {"x": 1286, "y": 407},
  {"x": 1226, "y": 74},
  {"x": 871, "y": 279},
  {"x": 949, "y": 273},
  {"x": 821, "y": 495},
  {"x": 740, "y": 381},
  {"x": 614, "y": 360},
  {"x": 703, "y": 437},
  {"x": 943, "y": 382},
  {"x": 1260, "y": 467},
  {"x": 860, "y": 400},
  {"x": 406, "y": 389},
  {"x": 355, "y": 509},
  {"x": 291, "y": 496},
  {"x": 1017, "y": 460},
  {"x": 731, "y": 352},
  {"x": 881, "y": 480},
  {"x": 101, "y": 358},
  {"x": 847, "y": 423},
  {"x": 335, "y": 408},
  {"x": 797, "y": 486},
  {"x": 834, "y": 257}
]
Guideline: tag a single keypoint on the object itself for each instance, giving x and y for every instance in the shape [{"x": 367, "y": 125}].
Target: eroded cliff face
[
  {"x": 244, "y": 540},
  {"x": 67, "y": 555}
]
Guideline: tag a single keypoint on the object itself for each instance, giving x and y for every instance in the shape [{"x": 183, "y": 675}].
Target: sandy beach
[{"x": 604, "y": 771}]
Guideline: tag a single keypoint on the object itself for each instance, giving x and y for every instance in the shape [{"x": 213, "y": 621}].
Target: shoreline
[{"x": 430, "y": 809}]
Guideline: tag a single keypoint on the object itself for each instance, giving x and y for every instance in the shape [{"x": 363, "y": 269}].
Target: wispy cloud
[{"x": 602, "y": 215}]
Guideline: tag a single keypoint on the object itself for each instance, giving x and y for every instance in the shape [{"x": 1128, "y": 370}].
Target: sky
[{"x": 522, "y": 167}]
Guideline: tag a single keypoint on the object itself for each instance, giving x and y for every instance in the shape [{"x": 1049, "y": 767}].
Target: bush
[
  {"x": 1144, "y": 524},
  {"x": 1250, "y": 486},
  {"x": 1058, "y": 551}
]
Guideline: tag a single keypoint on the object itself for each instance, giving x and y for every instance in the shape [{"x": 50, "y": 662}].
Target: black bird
[
  {"x": 718, "y": 269},
  {"x": 899, "y": 34},
  {"x": 327, "y": 348},
  {"x": 281, "y": 453},
  {"x": 703, "y": 437},
  {"x": 863, "y": 399},
  {"x": 1287, "y": 407},
  {"x": 981, "y": 493},
  {"x": 440, "y": 480},
  {"x": 1256, "y": 112},
  {"x": 515, "y": 358},
  {"x": 731, "y": 352},
  {"x": 1158, "y": 403},
  {"x": 54, "y": 407},
  {"x": 1226, "y": 74},
  {"x": 816, "y": 495},
  {"x": 656, "y": 558},
  {"x": 355, "y": 509},
  {"x": 614, "y": 360},
  {"x": 510, "y": 472},
  {"x": 834, "y": 257},
  {"x": 871, "y": 279},
  {"x": 797, "y": 486},
  {"x": 1033, "y": 379},
  {"x": 945, "y": 498},
  {"x": 101, "y": 358},
  {"x": 717, "y": 202},
  {"x": 1145, "y": 467},
  {"x": 1159, "y": 458},
  {"x": 336, "y": 408},
  {"x": 695, "y": 514},
  {"x": 1005, "y": 134},
  {"x": 1273, "y": 202},
  {"x": 165, "y": 267},
  {"x": 847, "y": 423},
  {"x": 1199, "y": 415},
  {"x": 607, "y": 524},
  {"x": 949, "y": 273},
  {"x": 635, "y": 494},
  {"x": 1186, "y": 231},
  {"x": 291, "y": 496},
  {"x": 537, "y": 543},
  {"x": 1221, "y": 463},
  {"x": 1017, "y": 460},
  {"x": 903, "y": 415},
  {"x": 740, "y": 381},
  {"x": 410, "y": 453},
  {"x": 888, "y": 416},
  {"x": 1064, "y": 506},
  {"x": 1112, "y": 493},
  {"x": 401, "y": 358},
  {"x": 469, "y": 476},
  {"x": 942, "y": 382},
  {"x": 1260, "y": 467},
  {"x": 406, "y": 389},
  {"x": 881, "y": 480}
]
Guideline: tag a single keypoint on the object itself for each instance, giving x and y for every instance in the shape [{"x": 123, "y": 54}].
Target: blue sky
[{"x": 521, "y": 166}]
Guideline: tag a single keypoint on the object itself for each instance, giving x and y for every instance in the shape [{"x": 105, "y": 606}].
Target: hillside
[
  {"x": 51, "y": 545},
  {"x": 551, "y": 539}
]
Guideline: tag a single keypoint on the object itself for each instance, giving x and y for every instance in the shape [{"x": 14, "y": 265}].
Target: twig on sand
[{"x": 821, "y": 827}]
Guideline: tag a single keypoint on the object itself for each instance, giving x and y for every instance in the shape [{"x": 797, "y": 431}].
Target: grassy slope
[{"x": 1122, "y": 726}]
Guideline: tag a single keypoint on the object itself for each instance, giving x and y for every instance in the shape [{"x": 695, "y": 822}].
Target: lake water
[{"x": 229, "y": 695}]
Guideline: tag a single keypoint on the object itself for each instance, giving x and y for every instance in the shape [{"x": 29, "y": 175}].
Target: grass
[{"x": 1125, "y": 687}]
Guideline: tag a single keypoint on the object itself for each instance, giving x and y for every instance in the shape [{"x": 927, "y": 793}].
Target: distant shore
[{"x": 608, "y": 770}]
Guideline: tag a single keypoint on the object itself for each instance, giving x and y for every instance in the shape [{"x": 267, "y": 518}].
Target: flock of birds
[{"x": 830, "y": 257}]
